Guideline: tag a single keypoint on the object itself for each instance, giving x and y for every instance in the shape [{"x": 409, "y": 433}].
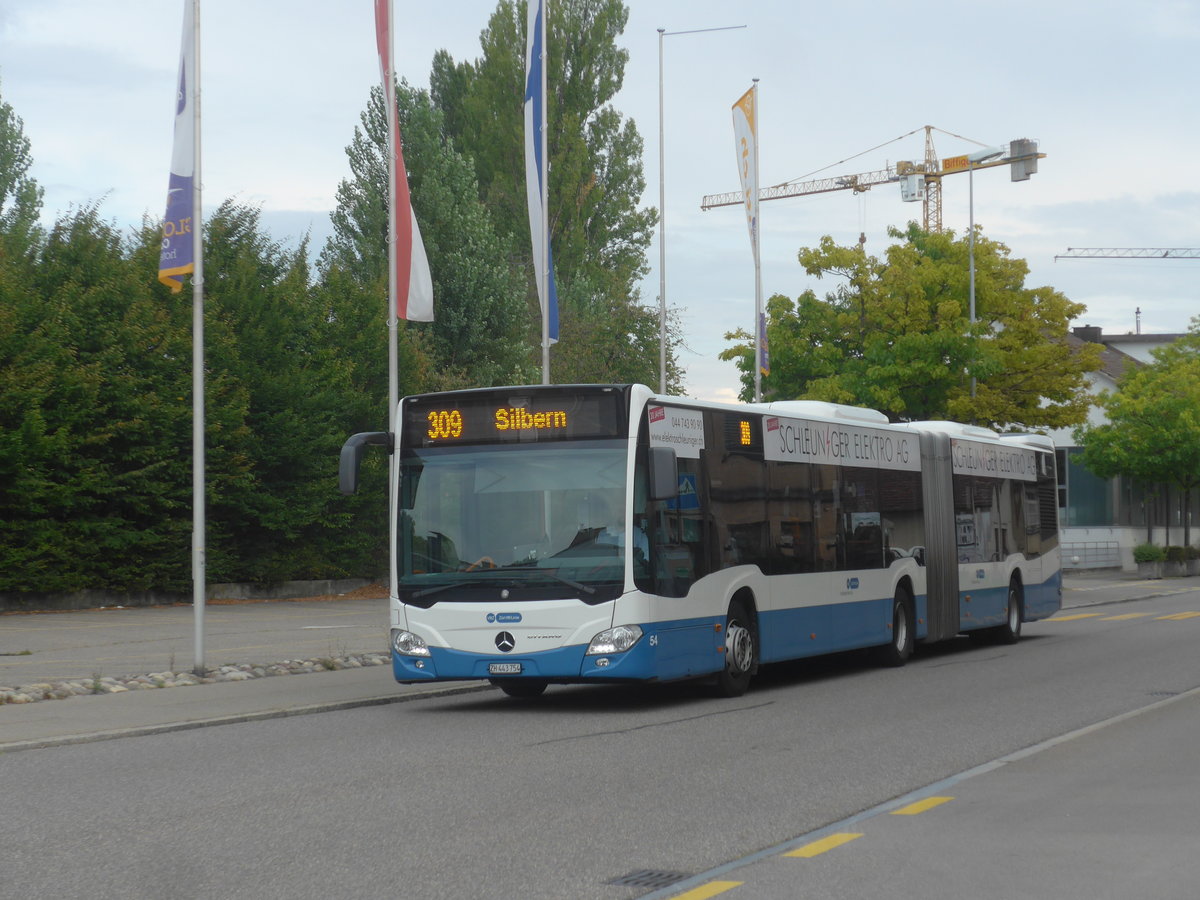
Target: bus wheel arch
[{"x": 741, "y": 646}]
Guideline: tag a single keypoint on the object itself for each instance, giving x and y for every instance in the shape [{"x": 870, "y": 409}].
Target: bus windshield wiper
[
  {"x": 438, "y": 588},
  {"x": 567, "y": 581}
]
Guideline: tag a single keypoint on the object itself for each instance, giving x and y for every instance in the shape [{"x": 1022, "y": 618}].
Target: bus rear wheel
[
  {"x": 520, "y": 687},
  {"x": 740, "y": 652},
  {"x": 896, "y": 652},
  {"x": 1014, "y": 612},
  {"x": 1010, "y": 631}
]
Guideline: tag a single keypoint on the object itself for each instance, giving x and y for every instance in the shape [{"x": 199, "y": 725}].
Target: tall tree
[
  {"x": 896, "y": 335},
  {"x": 477, "y": 336},
  {"x": 20, "y": 194},
  {"x": 599, "y": 236},
  {"x": 94, "y": 410},
  {"x": 277, "y": 416},
  {"x": 1153, "y": 428}
]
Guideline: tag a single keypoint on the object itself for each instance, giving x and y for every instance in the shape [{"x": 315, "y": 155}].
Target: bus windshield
[{"x": 529, "y": 519}]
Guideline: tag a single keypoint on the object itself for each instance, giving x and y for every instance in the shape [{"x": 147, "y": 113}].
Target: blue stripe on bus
[
  {"x": 816, "y": 630},
  {"x": 690, "y": 647},
  {"x": 988, "y": 606},
  {"x": 985, "y": 608},
  {"x": 1045, "y": 599}
]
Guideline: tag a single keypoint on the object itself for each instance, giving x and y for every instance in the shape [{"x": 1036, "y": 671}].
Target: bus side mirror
[
  {"x": 352, "y": 453},
  {"x": 664, "y": 473}
]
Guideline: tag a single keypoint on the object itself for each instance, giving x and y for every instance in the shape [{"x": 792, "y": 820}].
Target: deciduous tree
[
  {"x": 479, "y": 328},
  {"x": 20, "y": 194},
  {"x": 1153, "y": 428},
  {"x": 895, "y": 334},
  {"x": 599, "y": 235}
]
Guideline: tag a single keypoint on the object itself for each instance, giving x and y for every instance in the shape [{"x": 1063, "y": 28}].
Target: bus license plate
[{"x": 504, "y": 668}]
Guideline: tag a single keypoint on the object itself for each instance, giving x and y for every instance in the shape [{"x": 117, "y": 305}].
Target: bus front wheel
[
  {"x": 740, "y": 652},
  {"x": 520, "y": 687}
]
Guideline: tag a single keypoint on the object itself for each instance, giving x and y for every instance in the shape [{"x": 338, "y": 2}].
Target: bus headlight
[
  {"x": 614, "y": 640},
  {"x": 405, "y": 643}
]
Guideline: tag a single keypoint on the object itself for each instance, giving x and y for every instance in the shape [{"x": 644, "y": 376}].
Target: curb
[{"x": 236, "y": 718}]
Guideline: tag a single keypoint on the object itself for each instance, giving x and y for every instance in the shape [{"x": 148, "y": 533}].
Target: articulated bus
[{"x": 603, "y": 533}]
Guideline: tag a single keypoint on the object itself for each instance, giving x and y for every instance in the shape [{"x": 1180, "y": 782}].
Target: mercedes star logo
[{"x": 505, "y": 642}]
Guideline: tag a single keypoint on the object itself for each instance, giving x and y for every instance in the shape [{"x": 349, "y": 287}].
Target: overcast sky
[{"x": 1108, "y": 90}]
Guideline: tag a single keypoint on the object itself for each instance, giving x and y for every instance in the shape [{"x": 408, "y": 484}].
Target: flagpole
[
  {"x": 389, "y": 99},
  {"x": 757, "y": 263},
  {"x": 199, "y": 577},
  {"x": 545, "y": 196},
  {"x": 662, "y": 206}
]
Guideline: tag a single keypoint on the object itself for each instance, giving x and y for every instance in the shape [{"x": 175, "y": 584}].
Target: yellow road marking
[
  {"x": 1180, "y": 616},
  {"x": 709, "y": 890},
  {"x": 1074, "y": 617},
  {"x": 1126, "y": 616},
  {"x": 816, "y": 848},
  {"x": 914, "y": 809}
]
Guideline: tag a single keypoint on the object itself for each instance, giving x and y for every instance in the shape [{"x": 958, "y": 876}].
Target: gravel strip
[{"x": 63, "y": 690}]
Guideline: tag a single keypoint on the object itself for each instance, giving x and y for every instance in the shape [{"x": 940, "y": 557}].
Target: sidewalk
[
  {"x": 1098, "y": 587},
  {"x": 92, "y": 644},
  {"x": 48, "y": 647}
]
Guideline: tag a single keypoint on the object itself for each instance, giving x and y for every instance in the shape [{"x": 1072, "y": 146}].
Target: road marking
[
  {"x": 1126, "y": 616},
  {"x": 307, "y": 627},
  {"x": 1179, "y": 616},
  {"x": 915, "y": 809},
  {"x": 1074, "y": 617},
  {"x": 709, "y": 890},
  {"x": 816, "y": 848},
  {"x": 943, "y": 785}
]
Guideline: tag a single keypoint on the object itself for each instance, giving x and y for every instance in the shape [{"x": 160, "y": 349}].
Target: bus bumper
[{"x": 667, "y": 651}]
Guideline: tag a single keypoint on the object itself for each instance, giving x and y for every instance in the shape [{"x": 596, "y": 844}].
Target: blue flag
[{"x": 535, "y": 164}]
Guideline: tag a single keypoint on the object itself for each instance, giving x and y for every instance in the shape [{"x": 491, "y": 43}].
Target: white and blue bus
[{"x": 603, "y": 533}]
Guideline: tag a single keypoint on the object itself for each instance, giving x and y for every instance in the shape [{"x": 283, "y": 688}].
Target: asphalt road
[{"x": 478, "y": 795}]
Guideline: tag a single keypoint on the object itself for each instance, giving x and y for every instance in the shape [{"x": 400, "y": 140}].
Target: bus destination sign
[{"x": 491, "y": 417}]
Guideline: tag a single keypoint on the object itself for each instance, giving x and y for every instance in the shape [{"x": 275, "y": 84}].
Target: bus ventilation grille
[{"x": 650, "y": 878}]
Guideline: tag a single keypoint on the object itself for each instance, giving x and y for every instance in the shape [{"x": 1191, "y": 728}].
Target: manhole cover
[{"x": 650, "y": 878}]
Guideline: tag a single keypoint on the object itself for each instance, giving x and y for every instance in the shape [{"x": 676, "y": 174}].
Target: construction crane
[
  {"x": 1130, "y": 253},
  {"x": 918, "y": 180}
]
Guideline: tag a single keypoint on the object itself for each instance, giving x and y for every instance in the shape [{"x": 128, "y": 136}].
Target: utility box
[
  {"x": 912, "y": 188},
  {"x": 1021, "y": 169}
]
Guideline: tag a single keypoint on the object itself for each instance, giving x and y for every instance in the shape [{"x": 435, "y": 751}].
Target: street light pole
[
  {"x": 977, "y": 157},
  {"x": 662, "y": 207},
  {"x": 662, "y": 225}
]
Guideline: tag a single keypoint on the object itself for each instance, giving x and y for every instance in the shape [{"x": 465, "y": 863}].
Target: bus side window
[
  {"x": 665, "y": 567},
  {"x": 677, "y": 535},
  {"x": 639, "y": 527}
]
